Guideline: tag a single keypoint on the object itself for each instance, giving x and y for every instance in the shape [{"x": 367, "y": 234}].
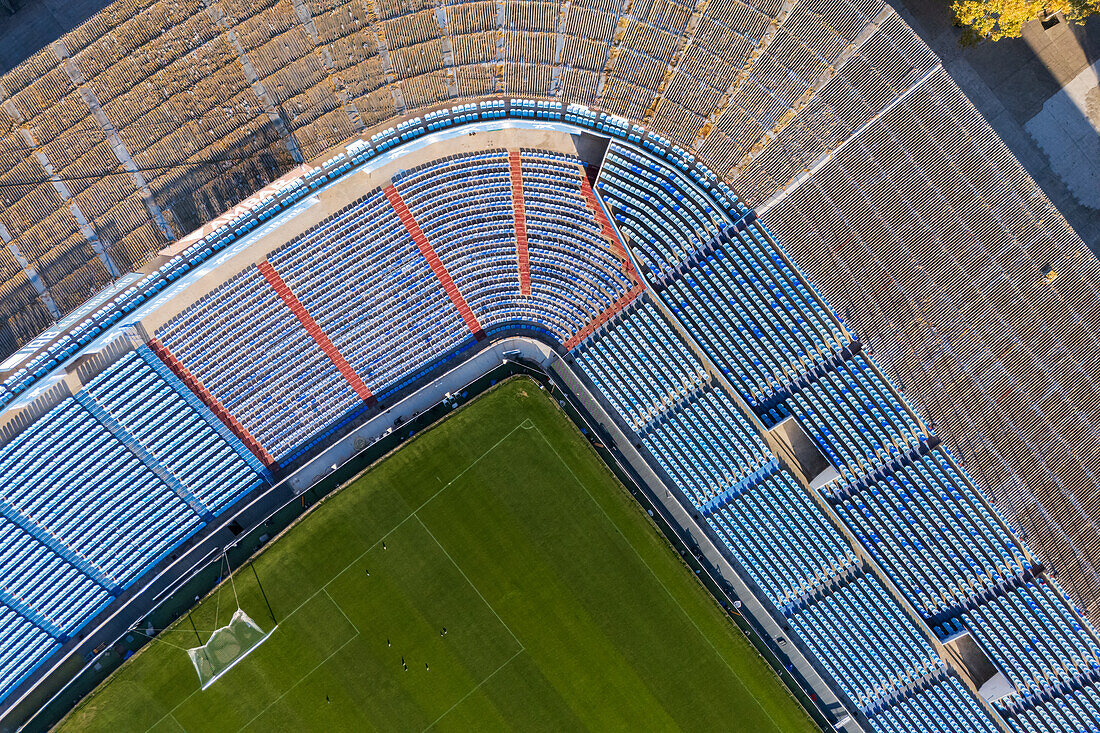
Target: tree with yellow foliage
[{"x": 996, "y": 19}]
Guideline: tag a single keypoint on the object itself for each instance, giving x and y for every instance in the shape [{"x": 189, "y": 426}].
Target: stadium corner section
[
  {"x": 170, "y": 589},
  {"x": 515, "y": 475}
]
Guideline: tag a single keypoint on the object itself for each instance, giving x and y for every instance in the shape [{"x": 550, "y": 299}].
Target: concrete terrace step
[{"x": 520, "y": 215}]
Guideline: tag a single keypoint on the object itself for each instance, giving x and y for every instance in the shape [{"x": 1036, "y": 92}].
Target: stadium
[{"x": 296, "y": 289}]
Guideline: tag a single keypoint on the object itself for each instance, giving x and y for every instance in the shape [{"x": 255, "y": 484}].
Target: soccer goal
[{"x": 228, "y": 645}]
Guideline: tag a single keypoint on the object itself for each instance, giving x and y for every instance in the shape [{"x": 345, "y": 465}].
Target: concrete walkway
[{"x": 1068, "y": 132}]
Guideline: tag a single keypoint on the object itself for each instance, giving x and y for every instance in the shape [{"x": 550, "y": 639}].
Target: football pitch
[{"x": 563, "y": 606}]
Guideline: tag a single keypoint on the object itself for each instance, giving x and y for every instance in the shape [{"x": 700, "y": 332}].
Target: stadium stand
[
  {"x": 830, "y": 119},
  {"x": 189, "y": 108},
  {"x": 1002, "y": 362},
  {"x": 44, "y": 587},
  {"x": 795, "y": 104},
  {"x": 941, "y": 708},
  {"x": 265, "y": 86},
  {"x": 111, "y": 507},
  {"x": 770, "y": 526},
  {"x": 188, "y": 446},
  {"x": 1076, "y": 710},
  {"x": 1034, "y": 639},
  {"x": 844, "y": 626},
  {"x": 897, "y": 545},
  {"x": 350, "y": 272},
  {"x": 659, "y": 213},
  {"x": 25, "y": 645},
  {"x": 789, "y": 559},
  {"x": 900, "y": 495},
  {"x": 939, "y": 543},
  {"x": 96, "y": 491},
  {"x": 663, "y": 374},
  {"x": 246, "y": 346},
  {"x": 355, "y": 278},
  {"x": 855, "y": 418}
]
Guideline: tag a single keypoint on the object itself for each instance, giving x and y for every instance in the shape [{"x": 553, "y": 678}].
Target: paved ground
[
  {"x": 1010, "y": 81},
  {"x": 1068, "y": 132}
]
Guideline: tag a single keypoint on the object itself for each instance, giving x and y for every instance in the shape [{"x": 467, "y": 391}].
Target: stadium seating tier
[{"x": 729, "y": 340}]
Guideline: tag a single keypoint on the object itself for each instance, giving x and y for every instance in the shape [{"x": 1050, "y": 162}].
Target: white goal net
[{"x": 228, "y": 645}]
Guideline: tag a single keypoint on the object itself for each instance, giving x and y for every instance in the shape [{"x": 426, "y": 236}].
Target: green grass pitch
[{"x": 565, "y": 609}]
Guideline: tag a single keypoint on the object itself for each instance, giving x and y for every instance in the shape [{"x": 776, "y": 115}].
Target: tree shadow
[
  {"x": 27, "y": 26},
  {"x": 1010, "y": 81}
]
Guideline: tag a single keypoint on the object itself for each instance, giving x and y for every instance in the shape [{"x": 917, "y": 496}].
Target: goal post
[{"x": 228, "y": 645}]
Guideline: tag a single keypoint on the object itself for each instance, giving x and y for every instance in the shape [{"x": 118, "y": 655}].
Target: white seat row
[
  {"x": 946, "y": 707},
  {"x": 933, "y": 536},
  {"x": 865, "y": 641}
]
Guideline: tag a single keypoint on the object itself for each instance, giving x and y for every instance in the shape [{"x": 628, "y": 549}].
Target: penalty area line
[
  {"x": 471, "y": 584},
  {"x": 340, "y": 609},
  {"x": 474, "y": 689},
  {"x": 324, "y": 588},
  {"x": 303, "y": 678}
]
